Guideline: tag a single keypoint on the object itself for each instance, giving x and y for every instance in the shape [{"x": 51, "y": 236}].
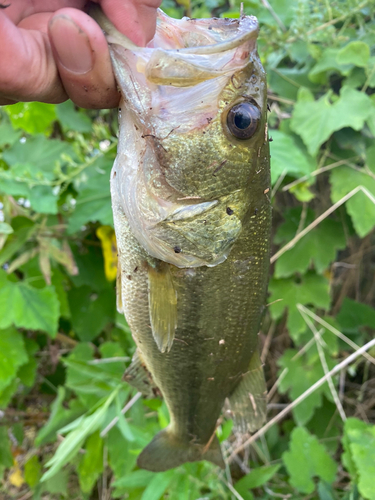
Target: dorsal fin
[{"x": 163, "y": 305}]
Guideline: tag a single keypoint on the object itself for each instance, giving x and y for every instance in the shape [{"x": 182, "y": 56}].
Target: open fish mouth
[{"x": 178, "y": 54}]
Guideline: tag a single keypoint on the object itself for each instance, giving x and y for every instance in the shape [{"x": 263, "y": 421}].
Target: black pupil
[{"x": 242, "y": 118}]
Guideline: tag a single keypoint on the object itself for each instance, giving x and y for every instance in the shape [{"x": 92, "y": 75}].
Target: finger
[
  {"x": 27, "y": 68},
  {"x": 83, "y": 59},
  {"x": 135, "y": 18}
]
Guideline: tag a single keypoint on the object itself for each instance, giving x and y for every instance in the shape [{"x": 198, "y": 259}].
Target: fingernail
[{"x": 71, "y": 44}]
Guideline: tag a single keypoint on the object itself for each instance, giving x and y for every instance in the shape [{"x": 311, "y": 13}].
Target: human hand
[{"x": 50, "y": 50}]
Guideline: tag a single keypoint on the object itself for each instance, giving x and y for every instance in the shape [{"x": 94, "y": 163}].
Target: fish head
[{"x": 192, "y": 127}]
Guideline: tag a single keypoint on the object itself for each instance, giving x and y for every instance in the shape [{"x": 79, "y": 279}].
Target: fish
[{"x": 190, "y": 191}]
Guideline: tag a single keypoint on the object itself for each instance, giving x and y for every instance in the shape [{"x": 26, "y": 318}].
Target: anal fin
[
  {"x": 163, "y": 305},
  {"x": 138, "y": 376},
  {"x": 248, "y": 400}
]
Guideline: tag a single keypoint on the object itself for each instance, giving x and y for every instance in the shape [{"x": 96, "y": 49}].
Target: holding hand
[{"x": 50, "y": 50}]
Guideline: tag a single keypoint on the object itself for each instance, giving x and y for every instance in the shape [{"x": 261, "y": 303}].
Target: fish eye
[{"x": 243, "y": 120}]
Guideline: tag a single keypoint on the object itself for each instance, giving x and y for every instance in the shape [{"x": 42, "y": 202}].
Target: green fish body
[{"x": 191, "y": 205}]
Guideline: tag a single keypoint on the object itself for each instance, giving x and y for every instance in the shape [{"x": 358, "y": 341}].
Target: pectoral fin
[
  {"x": 248, "y": 400},
  {"x": 163, "y": 305},
  {"x": 138, "y": 376}
]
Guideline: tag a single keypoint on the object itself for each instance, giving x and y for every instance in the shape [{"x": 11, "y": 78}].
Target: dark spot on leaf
[{"x": 230, "y": 211}]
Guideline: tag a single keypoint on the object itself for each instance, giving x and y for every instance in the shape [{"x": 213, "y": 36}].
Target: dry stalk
[{"x": 301, "y": 398}]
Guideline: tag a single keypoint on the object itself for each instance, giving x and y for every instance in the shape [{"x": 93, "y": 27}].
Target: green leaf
[
  {"x": 360, "y": 208},
  {"x": 354, "y": 314},
  {"x": 37, "y": 156},
  {"x": 328, "y": 62},
  {"x": 32, "y": 117},
  {"x": 158, "y": 485},
  {"x": 6, "y": 458},
  {"x": 33, "y": 471},
  {"x": 8, "y": 135},
  {"x": 12, "y": 355},
  {"x": 71, "y": 119},
  {"x": 91, "y": 465},
  {"x": 90, "y": 311},
  {"x": 357, "y": 53},
  {"x": 311, "y": 289},
  {"x": 315, "y": 121},
  {"x": 59, "y": 417},
  {"x": 121, "y": 457},
  {"x": 256, "y": 478},
  {"x": 74, "y": 440},
  {"x": 28, "y": 307},
  {"x": 136, "y": 479},
  {"x": 325, "y": 491},
  {"x": 287, "y": 157},
  {"x": 307, "y": 459},
  {"x": 94, "y": 200},
  {"x": 23, "y": 229},
  {"x": 309, "y": 249},
  {"x": 27, "y": 372},
  {"x": 359, "y": 456},
  {"x": 301, "y": 374}
]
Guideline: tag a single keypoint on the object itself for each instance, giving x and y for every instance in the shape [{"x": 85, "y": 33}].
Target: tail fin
[{"x": 166, "y": 451}]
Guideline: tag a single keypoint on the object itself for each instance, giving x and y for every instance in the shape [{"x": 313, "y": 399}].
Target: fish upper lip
[{"x": 247, "y": 24}]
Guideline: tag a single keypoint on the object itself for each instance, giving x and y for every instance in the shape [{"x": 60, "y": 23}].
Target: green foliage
[
  {"x": 359, "y": 455},
  {"x": 64, "y": 348},
  {"x": 306, "y": 459}
]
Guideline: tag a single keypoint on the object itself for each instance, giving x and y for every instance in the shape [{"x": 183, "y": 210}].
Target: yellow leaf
[
  {"x": 106, "y": 234},
  {"x": 16, "y": 477}
]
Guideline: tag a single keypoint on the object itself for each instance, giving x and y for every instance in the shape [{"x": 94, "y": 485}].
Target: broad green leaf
[
  {"x": 287, "y": 81},
  {"x": 28, "y": 307},
  {"x": 315, "y": 121},
  {"x": 359, "y": 456},
  {"x": 58, "y": 483},
  {"x": 309, "y": 249},
  {"x": 37, "y": 156},
  {"x": 360, "y": 208},
  {"x": 33, "y": 471},
  {"x": 91, "y": 465},
  {"x": 306, "y": 459},
  {"x": 91, "y": 311},
  {"x": 287, "y": 157},
  {"x": 301, "y": 374},
  {"x": 357, "y": 53},
  {"x": 12, "y": 355},
  {"x": 328, "y": 62},
  {"x": 94, "y": 201},
  {"x": 310, "y": 289},
  {"x": 32, "y": 117},
  {"x": 71, "y": 119},
  {"x": 354, "y": 314},
  {"x": 8, "y": 135},
  {"x": 121, "y": 455},
  {"x": 256, "y": 478}
]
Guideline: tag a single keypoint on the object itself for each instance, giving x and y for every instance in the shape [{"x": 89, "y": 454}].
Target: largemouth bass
[{"x": 191, "y": 205}]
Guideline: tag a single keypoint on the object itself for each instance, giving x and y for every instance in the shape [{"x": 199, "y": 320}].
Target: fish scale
[{"x": 192, "y": 217}]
